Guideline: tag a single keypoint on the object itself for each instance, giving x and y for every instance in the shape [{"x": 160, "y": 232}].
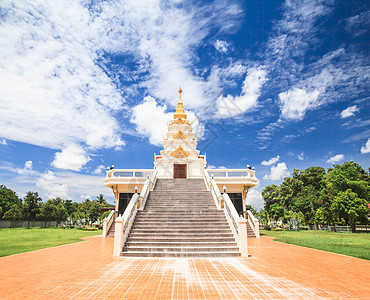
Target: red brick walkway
[{"x": 87, "y": 270}]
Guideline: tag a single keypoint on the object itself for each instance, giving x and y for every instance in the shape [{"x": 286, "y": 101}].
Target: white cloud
[
  {"x": 349, "y": 111},
  {"x": 212, "y": 167},
  {"x": 221, "y": 46},
  {"x": 255, "y": 199},
  {"x": 3, "y": 142},
  {"x": 151, "y": 120},
  {"x": 271, "y": 161},
  {"x": 335, "y": 158},
  {"x": 52, "y": 90},
  {"x": 358, "y": 24},
  {"x": 27, "y": 168},
  {"x": 230, "y": 106},
  {"x": 366, "y": 148},
  {"x": 71, "y": 185},
  {"x": 163, "y": 40},
  {"x": 72, "y": 157},
  {"x": 51, "y": 186},
  {"x": 295, "y": 102},
  {"x": 277, "y": 172},
  {"x": 301, "y": 156},
  {"x": 98, "y": 170}
]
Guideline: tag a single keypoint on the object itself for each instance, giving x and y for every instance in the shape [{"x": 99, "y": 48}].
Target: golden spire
[{"x": 180, "y": 112}]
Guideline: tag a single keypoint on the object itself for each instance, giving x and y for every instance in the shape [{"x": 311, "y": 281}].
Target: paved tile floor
[{"x": 275, "y": 270}]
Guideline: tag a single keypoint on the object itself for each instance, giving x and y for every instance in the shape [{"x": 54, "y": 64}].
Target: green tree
[
  {"x": 351, "y": 176},
  {"x": 102, "y": 201},
  {"x": 31, "y": 206},
  {"x": 47, "y": 212},
  {"x": 276, "y": 211},
  {"x": 349, "y": 206},
  {"x": 57, "y": 200},
  {"x": 14, "y": 213},
  {"x": 326, "y": 198},
  {"x": 271, "y": 194},
  {"x": 7, "y": 199},
  {"x": 61, "y": 213},
  {"x": 70, "y": 206},
  {"x": 94, "y": 211},
  {"x": 251, "y": 208},
  {"x": 264, "y": 218}
]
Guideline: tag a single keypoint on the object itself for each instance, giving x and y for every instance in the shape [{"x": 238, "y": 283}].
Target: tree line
[
  {"x": 32, "y": 208},
  {"x": 315, "y": 196}
]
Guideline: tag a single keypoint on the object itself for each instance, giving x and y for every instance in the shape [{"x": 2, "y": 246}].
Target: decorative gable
[
  {"x": 180, "y": 135},
  {"x": 180, "y": 121},
  {"x": 180, "y": 153}
]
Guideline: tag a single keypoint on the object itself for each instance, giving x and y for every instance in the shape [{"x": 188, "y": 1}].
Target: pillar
[
  {"x": 118, "y": 237},
  {"x": 243, "y": 242}
]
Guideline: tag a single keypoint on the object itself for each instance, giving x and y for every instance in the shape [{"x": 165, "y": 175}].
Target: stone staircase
[
  {"x": 111, "y": 230},
  {"x": 180, "y": 219},
  {"x": 250, "y": 232}
]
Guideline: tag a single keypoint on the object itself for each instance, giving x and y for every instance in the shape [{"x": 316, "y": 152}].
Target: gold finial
[
  {"x": 180, "y": 112},
  {"x": 180, "y": 91}
]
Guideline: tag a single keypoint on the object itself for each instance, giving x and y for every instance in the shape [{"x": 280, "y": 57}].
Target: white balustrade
[
  {"x": 124, "y": 222},
  {"x": 129, "y": 173},
  {"x": 254, "y": 223},
  {"x": 108, "y": 221},
  {"x": 237, "y": 224},
  {"x": 231, "y": 173}
]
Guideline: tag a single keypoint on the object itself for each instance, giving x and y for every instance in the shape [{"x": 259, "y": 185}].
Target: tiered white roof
[{"x": 180, "y": 146}]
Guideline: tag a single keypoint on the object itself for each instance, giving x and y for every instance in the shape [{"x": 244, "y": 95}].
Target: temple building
[{"x": 180, "y": 168}]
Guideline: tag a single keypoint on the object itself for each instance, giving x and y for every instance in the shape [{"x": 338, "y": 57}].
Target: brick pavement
[{"x": 87, "y": 270}]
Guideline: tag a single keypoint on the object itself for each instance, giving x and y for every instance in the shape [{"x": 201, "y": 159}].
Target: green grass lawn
[
  {"x": 18, "y": 240},
  {"x": 352, "y": 244}
]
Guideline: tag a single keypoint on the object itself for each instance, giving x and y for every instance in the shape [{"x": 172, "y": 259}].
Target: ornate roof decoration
[
  {"x": 180, "y": 153},
  {"x": 180, "y": 112},
  {"x": 180, "y": 121},
  {"x": 181, "y": 135}
]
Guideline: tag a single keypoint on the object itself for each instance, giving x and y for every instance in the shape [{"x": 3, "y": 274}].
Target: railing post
[
  {"x": 118, "y": 236},
  {"x": 105, "y": 225},
  {"x": 221, "y": 202},
  {"x": 257, "y": 227},
  {"x": 243, "y": 242}
]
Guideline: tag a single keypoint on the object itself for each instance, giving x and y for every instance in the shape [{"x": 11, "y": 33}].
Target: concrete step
[
  {"x": 180, "y": 235},
  {"x": 182, "y": 249},
  {"x": 171, "y": 235},
  {"x": 175, "y": 212},
  {"x": 187, "y": 218},
  {"x": 180, "y": 219},
  {"x": 180, "y": 239},
  {"x": 182, "y": 230},
  {"x": 181, "y": 244},
  {"x": 180, "y": 223},
  {"x": 178, "y": 254},
  {"x": 161, "y": 226}
]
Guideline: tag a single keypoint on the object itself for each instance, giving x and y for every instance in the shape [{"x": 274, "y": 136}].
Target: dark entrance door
[
  {"x": 179, "y": 171},
  {"x": 124, "y": 199}
]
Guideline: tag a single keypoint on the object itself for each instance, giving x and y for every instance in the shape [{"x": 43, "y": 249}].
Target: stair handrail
[
  {"x": 124, "y": 222},
  {"x": 123, "y": 225},
  {"x": 231, "y": 215},
  {"x": 206, "y": 180},
  {"x": 153, "y": 179},
  {"x": 148, "y": 186},
  {"x": 108, "y": 221},
  {"x": 254, "y": 223},
  {"x": 217, "y": 197},
  {"x": 237, "y": 223}
]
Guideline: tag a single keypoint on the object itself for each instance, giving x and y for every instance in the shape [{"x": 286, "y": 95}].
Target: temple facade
[{"x": 180, "y": 159}]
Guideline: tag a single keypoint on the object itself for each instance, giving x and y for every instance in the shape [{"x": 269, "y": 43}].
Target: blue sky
[{"x": 276, "y": 84}]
